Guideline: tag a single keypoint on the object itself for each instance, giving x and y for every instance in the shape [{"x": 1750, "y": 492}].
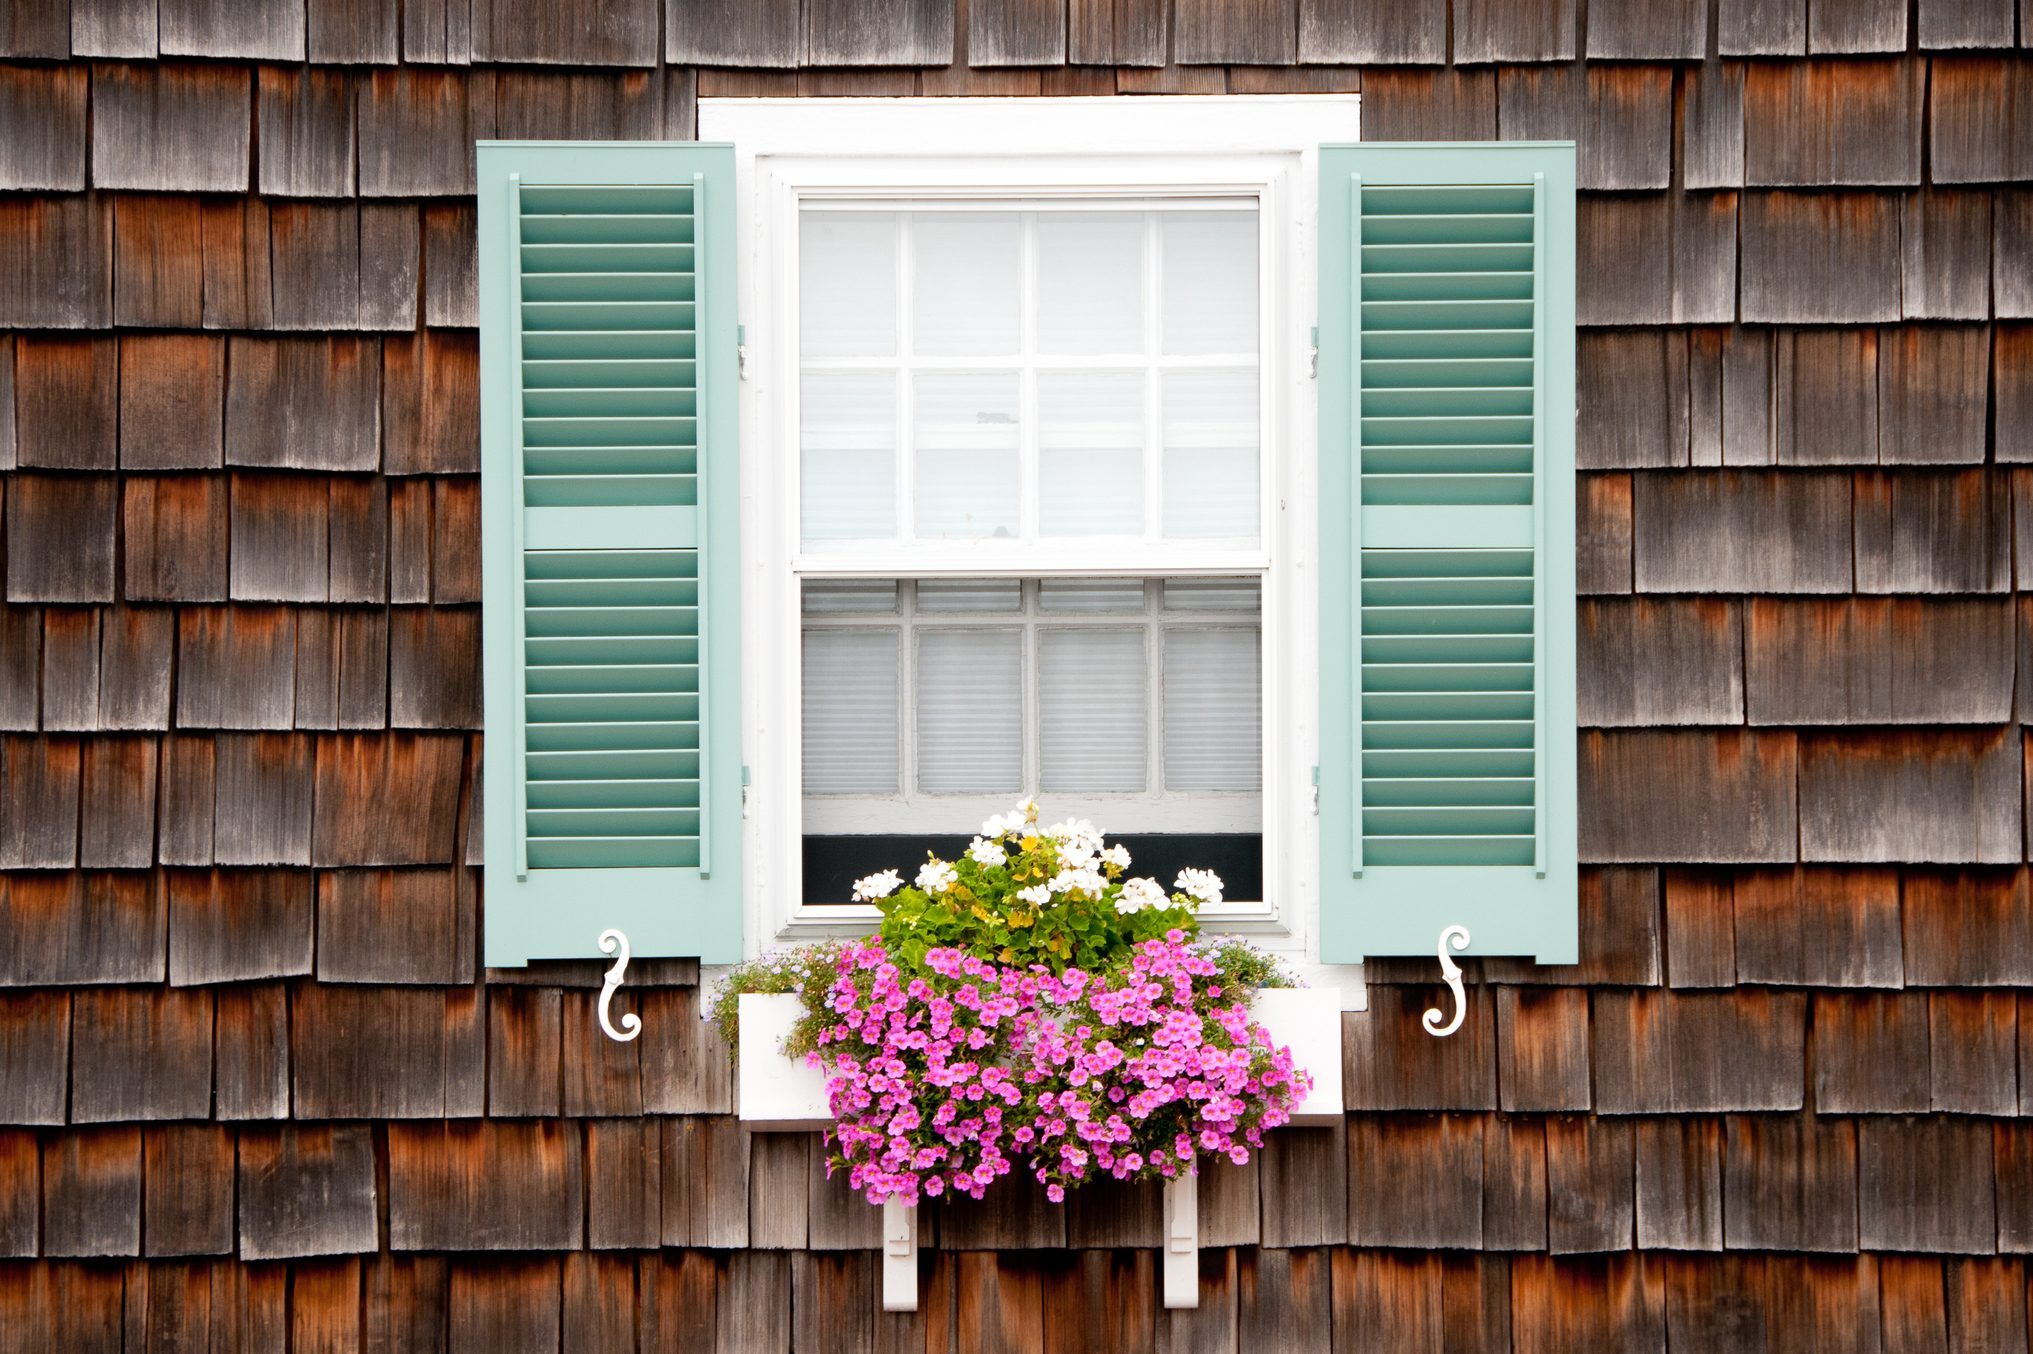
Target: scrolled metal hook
[
  {"x": 612, "y": 940},
  {"x": 1450, "y": 973}
]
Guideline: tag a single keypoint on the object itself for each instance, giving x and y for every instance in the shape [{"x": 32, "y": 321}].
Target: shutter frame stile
[
  {"x": 609, "y": 470},
  {"x": 1430, "y": 531}
]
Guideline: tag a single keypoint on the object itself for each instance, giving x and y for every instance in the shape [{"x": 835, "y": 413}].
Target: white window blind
[{"x": 1143, "y": 694}]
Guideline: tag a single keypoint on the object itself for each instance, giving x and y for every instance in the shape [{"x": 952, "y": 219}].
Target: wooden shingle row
[
  {"x": 1560, "y": 1185},
  {"x": 1796, "y": 532},
  {"x": 407, "y": 403},
  {"x": 80, "y": 670},
  {"x": 260, "y": 537},
  {"x": 1898, "y": 395},
  {"x": 324, "y": 132}
]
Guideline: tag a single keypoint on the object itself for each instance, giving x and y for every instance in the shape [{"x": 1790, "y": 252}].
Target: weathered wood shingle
[
  {"x": 172, "y": 128},
  {"x": 1824, "y": 123},
  {"x": 487, "y": 1185},
  {"x": 1879, "y": 661},
  {"x": 232, "y": 925},
  {"x": 305, "y": 121},
  {"x": 42, "y": 127},
  {"x": 1818, "y": 927},
  {"x": 306, "y": 1191},
  {"x": 1819, "y": 258},
  {"x": 1656, "y": 1053},
  {"x": 385, "y": 1052},
  {"x": 56, "y": 262},
  {"x": 231, "y": 28},
  {"x": 141, "y": 1053},
  {"x": 1688, "y": 796}
]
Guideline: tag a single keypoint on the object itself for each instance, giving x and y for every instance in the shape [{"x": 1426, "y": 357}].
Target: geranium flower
[
  {"x": 879, "y": 885},
  {"x": 936, "y": 876}
]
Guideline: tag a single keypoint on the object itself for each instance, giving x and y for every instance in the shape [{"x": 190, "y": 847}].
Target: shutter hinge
[
  {"x": 1313, "y": 365},
  {"x": 741, "y": 351},
  {"x": 1316, "y": 791},
  {"x": 744, "y": 793}
]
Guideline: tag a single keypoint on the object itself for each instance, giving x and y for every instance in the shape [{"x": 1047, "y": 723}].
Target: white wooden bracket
[
  {"x": 899, "y": 1257},
  {"x": 1182, "y": 1241},
  {"x": 1450, "y": 973},
  {"x": 631, "y": 1023}
]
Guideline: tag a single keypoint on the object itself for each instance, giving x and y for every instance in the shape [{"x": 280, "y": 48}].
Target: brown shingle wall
[{"x": 259, "y": 1094}]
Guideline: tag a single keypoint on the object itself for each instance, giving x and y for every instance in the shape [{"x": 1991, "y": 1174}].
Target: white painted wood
[
  {"x": 899, "y": 1257},
  {"x": 1308, "y": 1021},
  {"x": 775, "y": 1093},
  {"x": 1181, "y": 1254}
]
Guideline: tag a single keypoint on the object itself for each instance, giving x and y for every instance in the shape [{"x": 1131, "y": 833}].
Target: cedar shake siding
[{"x": 258, "y": 1093}]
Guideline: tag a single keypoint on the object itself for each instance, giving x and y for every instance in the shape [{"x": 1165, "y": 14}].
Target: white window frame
[{"x": 789, "y": 152}]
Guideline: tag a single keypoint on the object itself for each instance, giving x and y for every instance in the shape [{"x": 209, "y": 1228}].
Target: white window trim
[{"x": 789, "y": 151}]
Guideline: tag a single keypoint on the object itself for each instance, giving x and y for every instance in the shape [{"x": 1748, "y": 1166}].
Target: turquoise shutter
[
  {"x": 608, "y": 520},
  {"x": 1447, "y": 549}
]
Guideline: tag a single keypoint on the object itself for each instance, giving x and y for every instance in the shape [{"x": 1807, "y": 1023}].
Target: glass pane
[
  {"x": 847, "y": 292},
  {"x": 1212, "y": 594},
  {"x": 1091, "y": 694},
  {"x": 1213, "y": 710},
  {"x": 964, "y": 285},
  {"x": 1209, "y": 292},
  {"x": 1090, "y": 282},
  {"x": 849, "y": 596},
  {"x": 970, "y": 711},
  {"x": 1210, "y": 466},
  {"x": 851, "y": 721},
  {"x": 1091, "y": 453},
  {"x": 1091, "y": 594},
  {"x": 848, "y": 436},
  {"x": 970, "y": 594},
  {"x": 966, "y": 440}
]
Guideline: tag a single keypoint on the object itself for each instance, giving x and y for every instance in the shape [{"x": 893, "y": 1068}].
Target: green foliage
[
  {"x": 1242, "y": 966},
  {"x": 807, "y": 970},
  {"x": 1029, "y": 895}
]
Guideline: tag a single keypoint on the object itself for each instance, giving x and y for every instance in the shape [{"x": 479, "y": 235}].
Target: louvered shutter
[
  {"x": 1447, "y": 549},
  {"x": 609, "y": 511}
]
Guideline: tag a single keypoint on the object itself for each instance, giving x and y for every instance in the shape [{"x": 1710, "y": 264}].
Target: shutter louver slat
[{"x": 1439, "y": 448}]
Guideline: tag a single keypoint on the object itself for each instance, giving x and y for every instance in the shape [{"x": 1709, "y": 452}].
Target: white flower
[
  {"x": 988, "y": 853},
  {"x": 1081, "y": 880},
  {"x": 877, "y": 886},
  {"x": 936, "y": 876},
  {"x": 1117, "y": 855},
  {"x": 1201, "y": 885},
  {"x": 995, "y": 827},
  {"x": 1037, "y": 895},
  {"x": 1138, "y": 894},
  {"x": 1079, "y": 840}
]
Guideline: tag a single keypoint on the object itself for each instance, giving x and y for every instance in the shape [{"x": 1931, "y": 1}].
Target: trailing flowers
[{"x": 1029, "y": 1008}]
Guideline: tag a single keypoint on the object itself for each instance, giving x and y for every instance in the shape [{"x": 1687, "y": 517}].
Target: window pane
[
  {"x": 848, "y": 432},
  {"x": 966, "y": 443},
  {"x": 970, "y": 711},
  {"x": 850, "y": 702},
  {"x": 1212, "y": 594},
  {"x": 1091, "y": 594},
  {"x": 849, "y": 596},
  {"x": 1209, "y": 293},
  {"x": 1091, "y": 453},
  {"x": 1090, "y": 282},
  {"x": 970, "y": 594},
  {"x": 1210, "y": 468},
  {"x": 1213, "y": 710},
  {"x": 1091, "y": 696},
  {"x": 847, "y": 292},
  {"x": 964, "y": 286}
]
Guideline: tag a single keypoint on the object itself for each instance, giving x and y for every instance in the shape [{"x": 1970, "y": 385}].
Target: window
[
  {"x": 1027, "y": 440},
  {"x": 1047, "y": 371},
  {"x": 897, "y": 457}
]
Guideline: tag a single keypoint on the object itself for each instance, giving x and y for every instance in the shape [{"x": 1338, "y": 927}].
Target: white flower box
[
  {"x": 774, "y": 1093},
  {"x": 780, "y": 1094}
]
